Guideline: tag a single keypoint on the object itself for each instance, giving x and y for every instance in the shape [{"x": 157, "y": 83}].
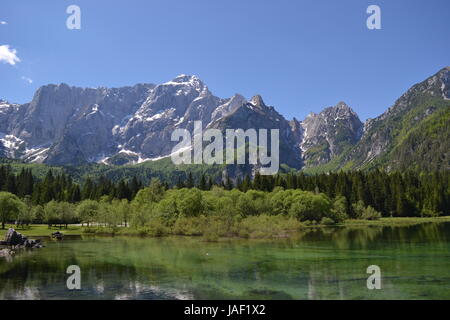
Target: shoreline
[{"x": 36, "y": 230}]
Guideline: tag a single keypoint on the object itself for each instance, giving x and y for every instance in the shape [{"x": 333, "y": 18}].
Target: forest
[{"x": 203, "y": 206}]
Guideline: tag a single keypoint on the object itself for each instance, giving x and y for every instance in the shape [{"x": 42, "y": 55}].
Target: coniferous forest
[{"x": 324, "y": 198}]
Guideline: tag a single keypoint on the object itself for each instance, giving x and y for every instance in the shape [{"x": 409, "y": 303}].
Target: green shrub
[
  {"x": 338, "y": 212},
  {"x": 307, "y": 223},
  {"x": 327, "y": 221},
  {"x": 265, "y": 226},
  {"x": 309, "y": 206},
  {"x": 358, "y": 210},
  {"x": 210, "y": 235},
  {"x": 429, "y": 213},
  {"x": 189, "y": 226},
  {"x": 370, "y": 213},
  {"x": 89, "y": 230}
]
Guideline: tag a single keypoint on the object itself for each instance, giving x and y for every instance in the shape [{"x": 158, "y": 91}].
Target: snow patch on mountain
[{"x": 165, "y": 114}]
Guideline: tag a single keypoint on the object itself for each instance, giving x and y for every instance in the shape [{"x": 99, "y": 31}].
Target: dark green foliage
[{"x": 398, "y": 194}]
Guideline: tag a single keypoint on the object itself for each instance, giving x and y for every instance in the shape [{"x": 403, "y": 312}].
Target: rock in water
[
  {"x": 58, "y": 235},
  {"x": 6, "y": 253},
  {"x": 14, "y": 238}
]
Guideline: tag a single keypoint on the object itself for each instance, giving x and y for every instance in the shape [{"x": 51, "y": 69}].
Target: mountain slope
[
  {"x": 329, "y": 134},
  {"x": 65, "y": 125},
  {"x": 391, "y": 134},
  {"x": 425, "y": 147},
  {"x": 254, "y": 114}
]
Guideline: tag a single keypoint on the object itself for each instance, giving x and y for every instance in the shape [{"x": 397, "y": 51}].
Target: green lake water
[{"x": 328, "y": 263}]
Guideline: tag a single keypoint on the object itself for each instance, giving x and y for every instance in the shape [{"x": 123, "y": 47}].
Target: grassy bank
[
  {"x": 40, "y": 230},
  {"x": 252, "y": 227},
  {"x": 404, "y": 221}
]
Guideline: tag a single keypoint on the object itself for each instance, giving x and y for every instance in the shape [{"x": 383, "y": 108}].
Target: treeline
[
  {"x": 217, "y": 212},
  {"x": 156, "y": 210},
  {"x": 60, "y": 187},
  {"x": 391, "y": 194}
]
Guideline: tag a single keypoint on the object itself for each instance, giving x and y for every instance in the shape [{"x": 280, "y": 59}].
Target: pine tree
[
  {"x": 202, "y": 184},
  {"x": 246, "y": 184},
  {"x": 88, "y": 190},
  {"x": 180, "y": 183},
  {"x": 228, "y": 184},
  {"x": 210, "y": 183},
  {"x": 189, "y": 181}
]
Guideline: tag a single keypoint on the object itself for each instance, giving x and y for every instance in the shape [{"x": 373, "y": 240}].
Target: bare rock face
[
  {"x": 228, "y": 107},
  {"x": 327, "y": 134},
  {"x": 64, "y": 124},
  {"x": 10, "y": 146},
  {"x": 172, "y": 105},
  {"x": 69, "y": 125},
  {"x": 254, "y": 114}
]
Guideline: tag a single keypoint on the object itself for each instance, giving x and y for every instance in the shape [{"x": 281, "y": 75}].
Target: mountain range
[{"x": 65, "y": 125}]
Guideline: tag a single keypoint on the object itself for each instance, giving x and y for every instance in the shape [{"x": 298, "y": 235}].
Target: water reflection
[{"x": 326, "y": 263}]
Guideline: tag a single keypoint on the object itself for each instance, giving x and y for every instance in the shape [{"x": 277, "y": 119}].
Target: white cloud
[
  {"x": 30, "y": 81},
  {"x": 8, "y": 55},
  {"x": 3, "y": 22}
]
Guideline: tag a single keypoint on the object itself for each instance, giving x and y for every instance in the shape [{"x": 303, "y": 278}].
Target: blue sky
[{"x": 301, "y": 56}]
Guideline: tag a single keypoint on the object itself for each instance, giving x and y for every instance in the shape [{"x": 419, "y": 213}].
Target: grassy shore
[
  {"x": 40, "y": 230},
  {"x": 406, "y": 221},
  {"x": 43, "y": 230}
]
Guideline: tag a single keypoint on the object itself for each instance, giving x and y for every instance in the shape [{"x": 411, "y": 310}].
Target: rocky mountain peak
[
  {"x": 327, "y": 134},
  {"x": 341, "y": 105},
  {"x": 437, "y": 85},
  {"x": 229, "y": 106},
  {"x": 237, "y": 98},
  {"x": 341, "y": 111},
  {"x": 257, "y": 101},
  {"x": 187, "y": 80},
  {"x": 444, "y": 76},
  {"x": 71, "y": 125},
  {"x": 311, "y": 115},
  {"x": 444, "y": 71}
]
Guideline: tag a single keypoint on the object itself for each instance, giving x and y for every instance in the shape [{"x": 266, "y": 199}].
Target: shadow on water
[{"x": 326, "y": 263}]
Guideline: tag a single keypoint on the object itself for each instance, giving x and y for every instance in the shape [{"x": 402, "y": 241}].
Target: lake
[{"x": 326, "y": 263}]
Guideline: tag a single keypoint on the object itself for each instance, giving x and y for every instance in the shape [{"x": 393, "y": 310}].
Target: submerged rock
[
  {"x": 58, "y": 235},
  {"x": 5, "y": 253}
]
